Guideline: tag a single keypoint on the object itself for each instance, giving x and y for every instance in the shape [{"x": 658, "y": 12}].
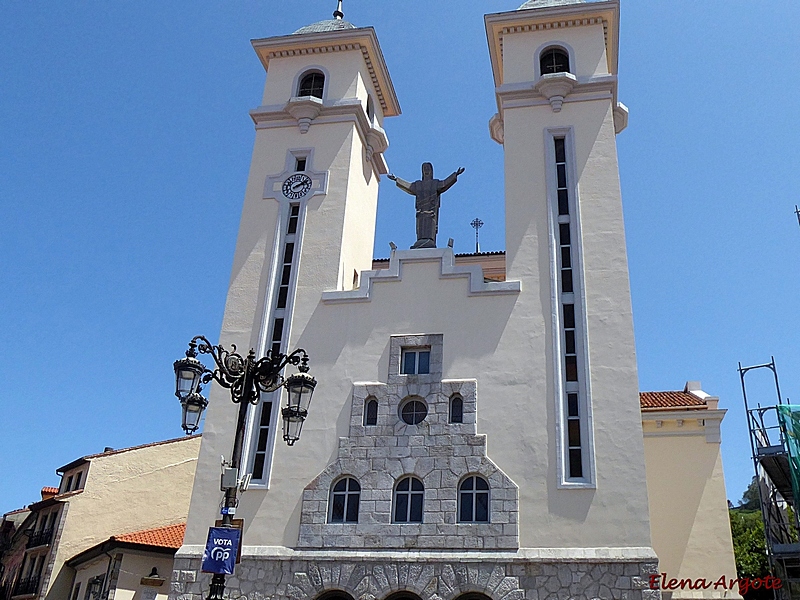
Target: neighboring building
[
  {"x": 688, "y": 505},
  {"x": 13, "y": 542},
  {"x": 25, "y": 564},
  {"x": 133, "y": 566},
  {"x": 476, "y": 432},
  {"x": 100, "y": 496}
]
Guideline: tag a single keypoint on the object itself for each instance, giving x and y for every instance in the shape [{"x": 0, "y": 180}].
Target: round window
[{"x": 413, "y": 412}]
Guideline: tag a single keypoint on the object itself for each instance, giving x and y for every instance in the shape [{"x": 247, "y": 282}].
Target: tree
[
  {"x": 751, "y": 500},
  {"x": 749, "y": 545}
]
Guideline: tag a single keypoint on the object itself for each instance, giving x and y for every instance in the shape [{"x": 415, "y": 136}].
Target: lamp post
[{"x": 246, "y": 378}]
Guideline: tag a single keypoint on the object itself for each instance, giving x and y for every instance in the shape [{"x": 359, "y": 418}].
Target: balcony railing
[
  {"x": 27, "y": 586},
  {"x": 40, "y": 538}
]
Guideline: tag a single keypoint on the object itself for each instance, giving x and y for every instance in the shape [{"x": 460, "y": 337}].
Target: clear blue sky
[{"x": 125, "y": 146}]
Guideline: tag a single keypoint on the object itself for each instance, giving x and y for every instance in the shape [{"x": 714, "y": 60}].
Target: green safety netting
[{"x": 790, "y": 423}]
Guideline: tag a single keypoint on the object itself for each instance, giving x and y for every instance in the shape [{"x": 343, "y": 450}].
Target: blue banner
[{"x": 219, "y": 556}]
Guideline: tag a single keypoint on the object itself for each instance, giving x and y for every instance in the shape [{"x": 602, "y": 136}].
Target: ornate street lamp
[
  {"x": 246, "y": 378},
  {"x": 300, "y": 388}
]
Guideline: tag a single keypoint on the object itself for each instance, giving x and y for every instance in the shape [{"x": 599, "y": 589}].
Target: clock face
[{"x": 296, "y": 186}]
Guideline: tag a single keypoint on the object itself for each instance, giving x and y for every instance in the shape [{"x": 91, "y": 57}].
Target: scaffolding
[{"x": 775, "y": 449}]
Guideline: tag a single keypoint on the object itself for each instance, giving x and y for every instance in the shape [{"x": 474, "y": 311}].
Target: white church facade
[{"x": 502, "y": 461}]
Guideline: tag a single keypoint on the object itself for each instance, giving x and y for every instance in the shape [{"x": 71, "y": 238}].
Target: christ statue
[{"x": 428, "y": 192}]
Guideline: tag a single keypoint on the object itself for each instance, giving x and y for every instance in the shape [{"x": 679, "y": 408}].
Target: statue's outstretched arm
[
  {"x": 402, "y": 184},
  {"x": 451, "y": 181}
]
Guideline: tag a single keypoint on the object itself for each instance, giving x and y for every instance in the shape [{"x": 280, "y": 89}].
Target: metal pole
[
  {"x": 476, "y": 225},
  {"x": 217, "y": 589}
]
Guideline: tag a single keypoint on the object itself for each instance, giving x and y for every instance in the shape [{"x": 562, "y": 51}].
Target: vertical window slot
[
  {"x": 574, "y": 429},
  {"x": 261, "y": 434}
]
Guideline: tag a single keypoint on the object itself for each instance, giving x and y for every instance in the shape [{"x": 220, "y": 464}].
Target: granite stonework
[
  {"x": 308, "y": 575},
  {"x": 439, "y": 453}
]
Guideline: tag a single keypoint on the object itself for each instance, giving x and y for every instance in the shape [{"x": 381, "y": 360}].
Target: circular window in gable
[{"x": 413, "y": 411}]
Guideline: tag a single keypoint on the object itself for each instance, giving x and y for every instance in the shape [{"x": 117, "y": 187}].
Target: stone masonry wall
[
  {"x": 441, "y": 454},
  {"x": 429, "y": 577}
]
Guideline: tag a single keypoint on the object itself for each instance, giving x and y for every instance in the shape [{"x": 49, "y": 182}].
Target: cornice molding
[
  {"x": 630, "y": 554},
  {"x": 521, "y": 95},
  {"x": 448, "y": 270},
  {"x": 554, "y": 24},
  {"x": 363, "y": 40},
  {"x": 604, "y": 13},
  {"x": 708, "y": 421},
  {"x": 515, "y": 95},
  {"x": 372, "y": 136}
]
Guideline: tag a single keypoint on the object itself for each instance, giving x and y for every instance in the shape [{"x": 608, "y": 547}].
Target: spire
[{"x": 338, "y": 14}]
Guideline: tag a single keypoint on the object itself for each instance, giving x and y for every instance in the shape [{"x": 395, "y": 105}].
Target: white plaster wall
[
  {"x": 505, "y": 342},
  {"x": 125, "y": 492},
  {"x": 688, "y": 504},
  {"x": 98, "y": 566},
  {"x": 350, "y": 343},
  {"x": 348, "y": 77},
  {"x": 361, "y": 210},
  {"x": 519, "y": 52},
  {"x": 618, "y": 446},
  {"x": 338, "y": 238},
  {"x": 620, "y": 501},
  {"x": 136, "y": 565}
]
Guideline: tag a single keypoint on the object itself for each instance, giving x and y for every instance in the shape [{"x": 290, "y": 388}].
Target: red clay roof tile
[
  {"x": 670, "y": 400},
  {"x": 162, "y": 537}
]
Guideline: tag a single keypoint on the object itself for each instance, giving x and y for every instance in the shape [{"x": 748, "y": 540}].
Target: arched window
[
  {"x": 312, "y": 84},
  {"x": 370, "y": 109},
  {"x": 554, "y": 60},
  {"x": 345, "y": 496},
  {"x": 408, "y": 496},
  {"x": 456, "y": 409},
  {"x": 371, "y": 411},
  {"x": 473, "y": 500}
]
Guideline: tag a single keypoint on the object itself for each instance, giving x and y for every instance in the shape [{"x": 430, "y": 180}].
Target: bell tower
[
  {"x": 308, "y": 221},
  {"x": 555, "y": 73}
]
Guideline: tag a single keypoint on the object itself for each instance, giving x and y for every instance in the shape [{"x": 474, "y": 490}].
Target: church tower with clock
[
  {"x": 497, "y": 461},
  {"x": 308, "y": 220}
]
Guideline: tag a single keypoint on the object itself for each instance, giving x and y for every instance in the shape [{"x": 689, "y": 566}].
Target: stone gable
[{"x": 439, "y": 453}]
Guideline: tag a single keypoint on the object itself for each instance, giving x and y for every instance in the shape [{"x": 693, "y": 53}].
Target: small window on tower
[
  {"x": 370, "y": 412},
  {"x": 554, "y": 60},
  {"x": 456, "y": 409},
  {"x": 301, "y": 164},
  {"x": 370, "y": 109},
  {"x": 415, "y": 361},
  {"x": 312, "y": 84}
]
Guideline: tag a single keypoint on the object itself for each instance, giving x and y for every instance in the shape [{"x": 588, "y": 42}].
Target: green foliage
[
  {"x": 749, "y": 544},
  {"x": 751, "y": 499}
]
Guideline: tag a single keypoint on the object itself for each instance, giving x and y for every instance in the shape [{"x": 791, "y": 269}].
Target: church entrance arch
[
  {"x": 403, "y": 596},
  {"x": 335, "y": 595},
  {"x": 473, "y": 596}
]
